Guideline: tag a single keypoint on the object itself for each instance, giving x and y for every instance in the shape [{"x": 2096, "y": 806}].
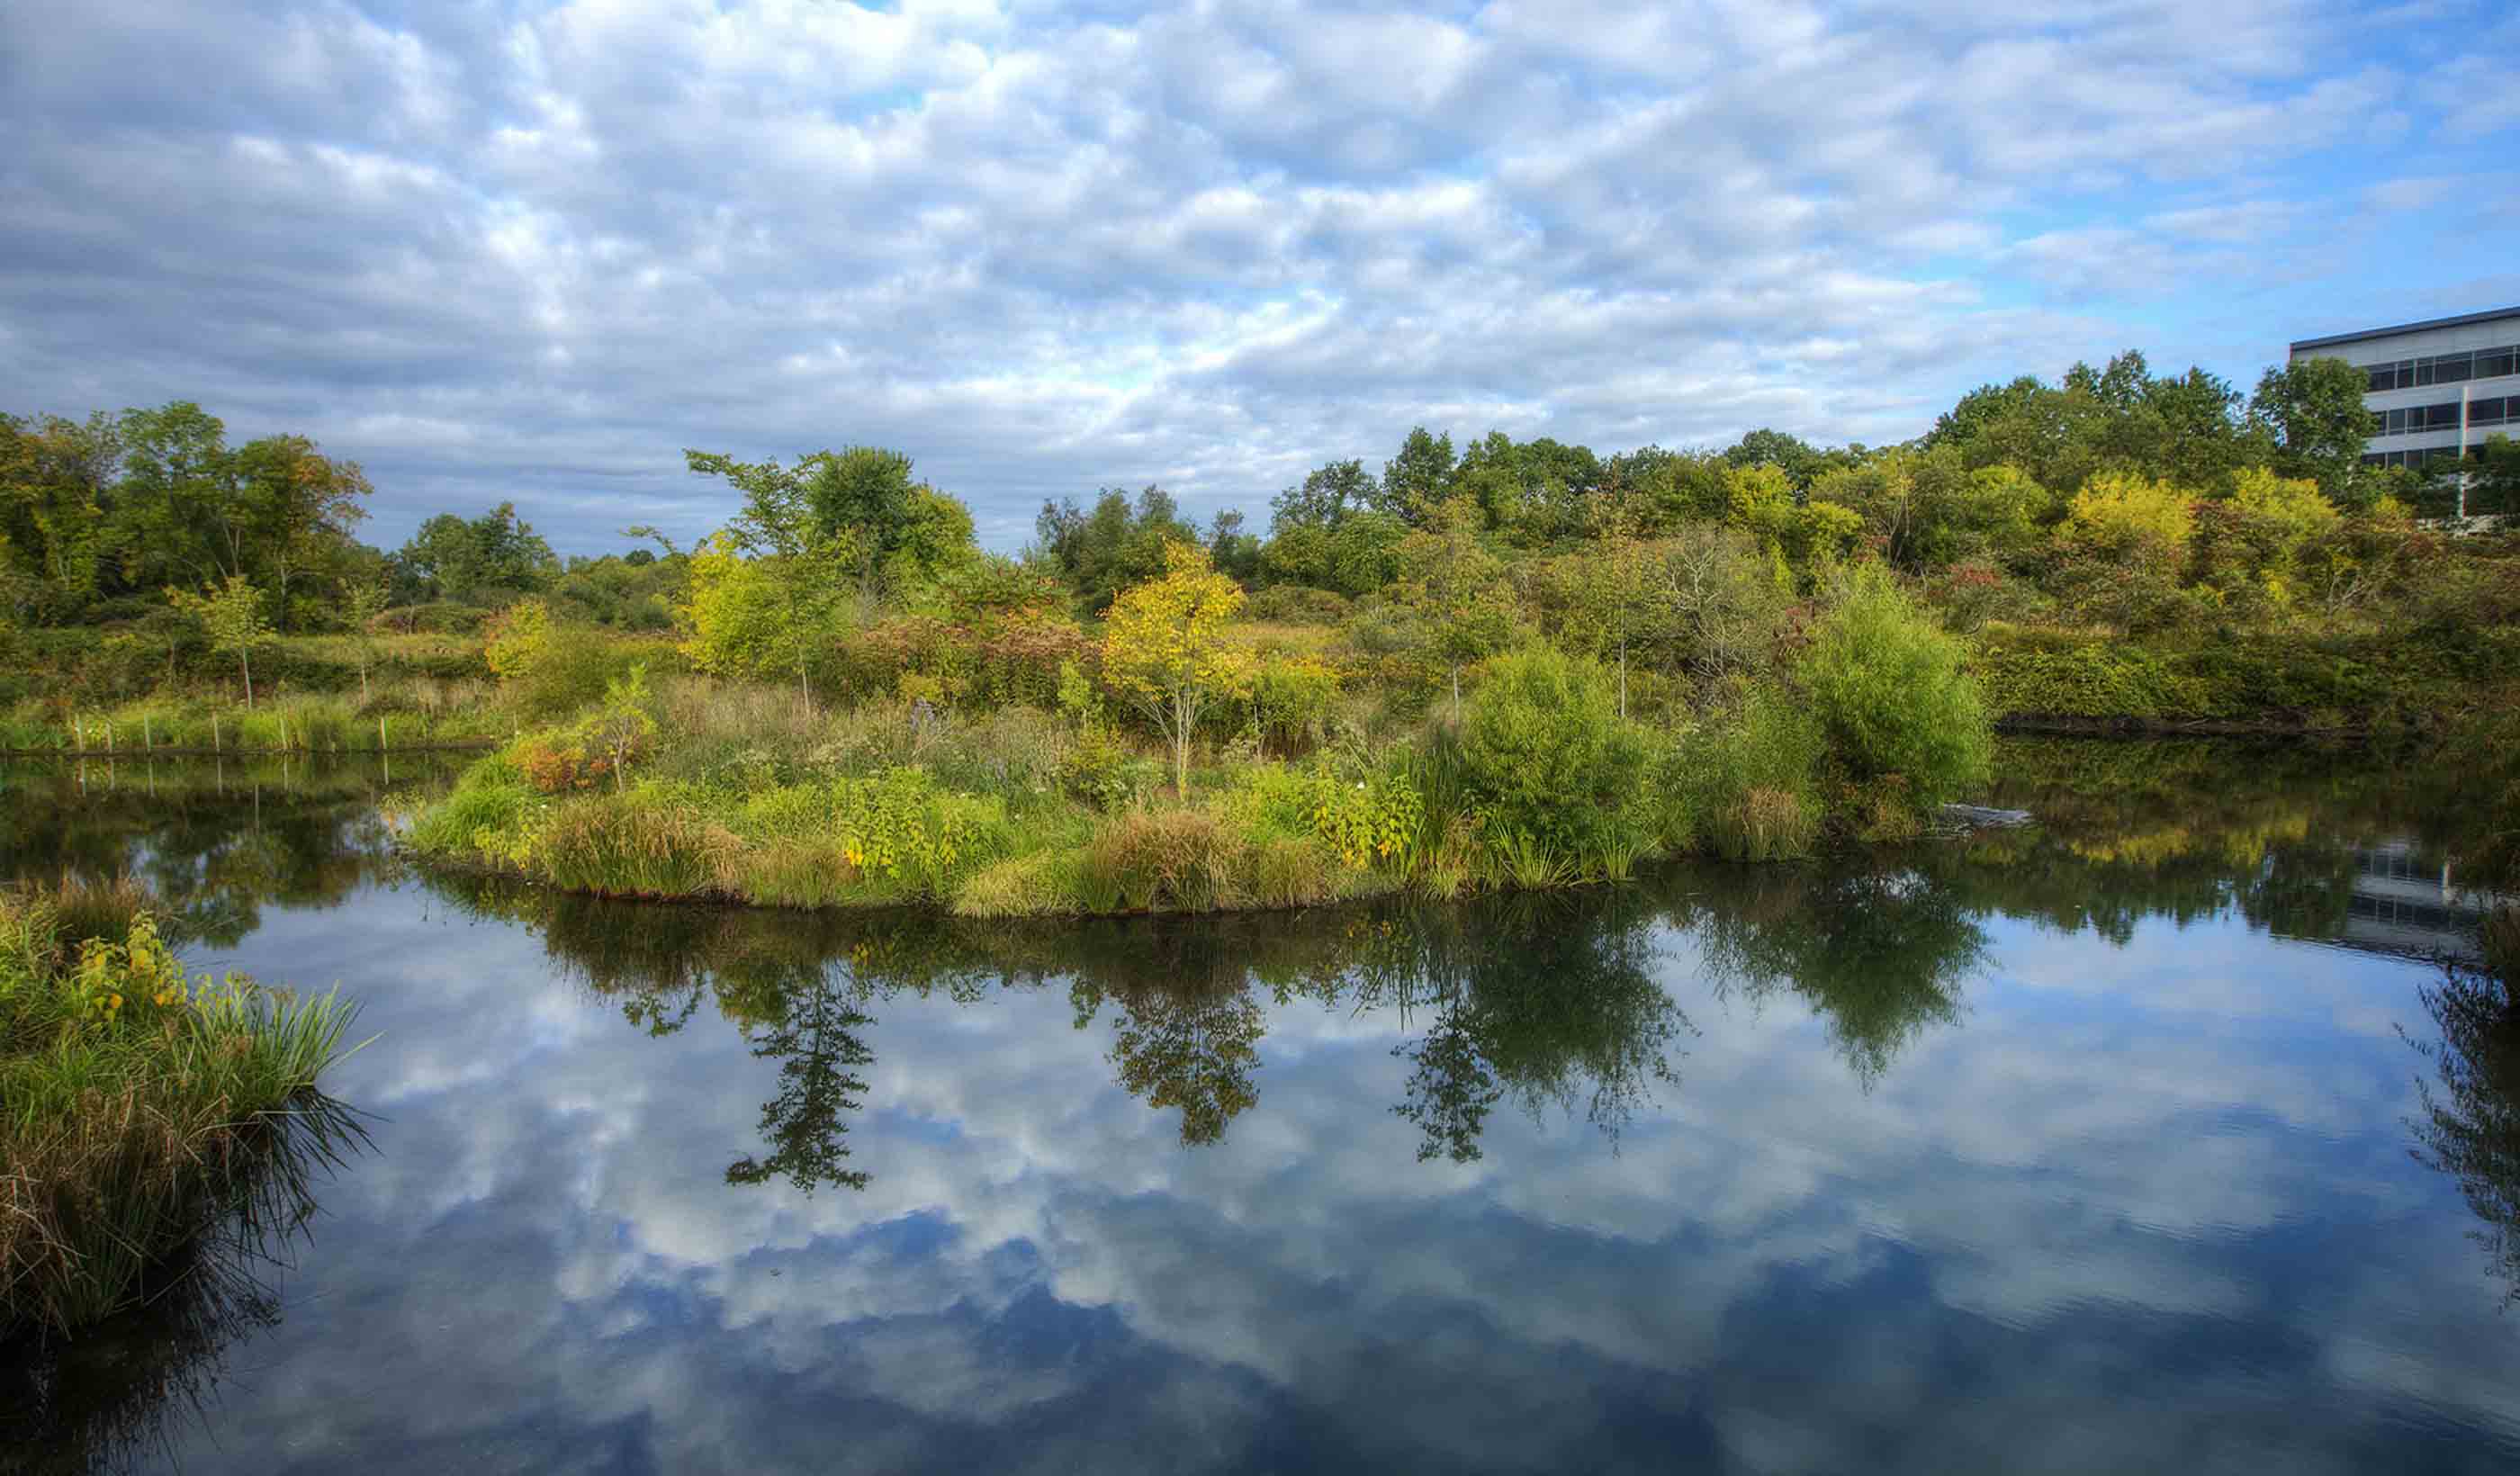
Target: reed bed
[{"x": 424, "y": 715}]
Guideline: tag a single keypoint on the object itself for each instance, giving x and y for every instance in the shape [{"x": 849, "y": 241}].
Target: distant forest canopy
[{"x": 101, "y": 518}]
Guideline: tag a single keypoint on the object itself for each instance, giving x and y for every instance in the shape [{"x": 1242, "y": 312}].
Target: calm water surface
[{"x": 2107, "y": 1145}]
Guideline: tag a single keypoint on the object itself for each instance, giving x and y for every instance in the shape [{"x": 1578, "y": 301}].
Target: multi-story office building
[{"x": 2437, "y": 387}]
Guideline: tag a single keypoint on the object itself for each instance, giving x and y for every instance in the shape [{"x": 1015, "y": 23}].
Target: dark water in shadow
[{"x": 2108, "y": 1145}]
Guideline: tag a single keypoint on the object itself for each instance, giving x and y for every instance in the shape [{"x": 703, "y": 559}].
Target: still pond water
[{"x": 2104, "y": 1145}]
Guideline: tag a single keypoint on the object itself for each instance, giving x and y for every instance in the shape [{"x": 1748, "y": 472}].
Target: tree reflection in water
[
  {"x": 2470, "y": 1127},
  {"x": 805, "y": 1018},
  {"x": 1550, "y": 999},
  {"x": 1880, "y": 955},
  {"x": 215, "y": 842}
]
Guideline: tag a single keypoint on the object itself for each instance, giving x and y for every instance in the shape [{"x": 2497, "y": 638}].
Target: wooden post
[
  {"x": 78, "y": 736},
  {"x": 214, "y": 733}
]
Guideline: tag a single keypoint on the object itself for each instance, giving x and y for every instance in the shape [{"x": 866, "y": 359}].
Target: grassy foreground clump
[
  {"x": 754, "y": 795},
  {"x": 137, "y": 1105}
]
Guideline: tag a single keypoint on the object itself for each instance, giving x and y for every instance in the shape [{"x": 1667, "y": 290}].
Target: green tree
[
  {"x": 1330, "y": 493},
  {"x": 623, "y": 723},
  {"x": 2486, "y": 482},
  {"x": 231, "y": 616},
  {"x": 2312, "y": 412},
  {"x": 1717, "y": 608},
  {"x": 55, "y": 478},
  {"x": 1455, "y": 591},
  {"x": 1549, "y": 762},
  {"x": 455, "y": 558},
  {"x": 754, "y": 617},
  {"x": 1115, "y": 545},
  {"x": 935, "y": 541},
  {"x": 1235, "y": 551},
  {"x": 864, "y": 494},
  {"x": 163, "y": 526},
  {"x": 858, "y": 508},
  {"x": 1799, "y": 459},
  {"x": 1415, "y": 479},
  {"x": 291, "y": 514},
  {"x": 190, "y": 509}
]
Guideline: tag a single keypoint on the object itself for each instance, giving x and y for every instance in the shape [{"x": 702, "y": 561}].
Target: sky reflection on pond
[{"x": 2075, "y": 1150}]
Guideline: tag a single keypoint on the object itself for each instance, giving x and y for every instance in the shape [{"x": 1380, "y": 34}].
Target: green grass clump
[
  {"x": 1748, "y": 781},
  {"x": 1040, "y": 884},
  {"x": 633, "y": 845},
  {"x": 136, "y": 1104}
]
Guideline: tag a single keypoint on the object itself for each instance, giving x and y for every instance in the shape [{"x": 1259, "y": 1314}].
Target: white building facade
[{"x": 2436, "y": 385}]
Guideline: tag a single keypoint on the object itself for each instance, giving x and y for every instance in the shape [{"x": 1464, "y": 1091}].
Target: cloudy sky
[{"x": 530, "y": 250}]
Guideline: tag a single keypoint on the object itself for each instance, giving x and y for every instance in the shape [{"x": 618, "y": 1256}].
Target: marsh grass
[
  {"x": 420, "y": 714},
  {"x": 1762, "y": 824},
  {"x": 1750, "y": 781},
  {"x": 110, "y": 1397},
  {"x": 137, "y": 1105}
]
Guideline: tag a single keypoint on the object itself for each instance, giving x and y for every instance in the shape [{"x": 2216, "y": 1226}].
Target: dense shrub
[
  {"x": 1290, "y": 701},
  {"x": 1894, "y": 695},
  {"x": 1547, "y": 760},
  {"x": 1299, "y": 605},
  {"x": 437, "y": 617},
  {"x": 2083, "y": 677},
  {"x": 550, "y": 670},
  {"x": 1105, "y": 773}
]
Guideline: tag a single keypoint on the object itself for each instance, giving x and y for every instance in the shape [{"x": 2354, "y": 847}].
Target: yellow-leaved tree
[
  {"x": 2132, "y": 518},
  {"x": 775, "y": 615},
  {"x": 1163, "y": 646}
]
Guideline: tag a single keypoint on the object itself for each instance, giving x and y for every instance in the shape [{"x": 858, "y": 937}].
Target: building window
[
  {"x": 2411, "y": 419},
  {"x": 2443, "y": 368}
]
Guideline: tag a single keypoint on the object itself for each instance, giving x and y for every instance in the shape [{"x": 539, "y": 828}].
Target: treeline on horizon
[
  {"x": 98, "y": 512},
  {"x": 2112, "y": 501}
]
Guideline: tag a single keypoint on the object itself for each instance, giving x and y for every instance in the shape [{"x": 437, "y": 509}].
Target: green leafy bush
[
  {"x": 1894, "y": 694},
  {"x": 1546, "y": 759},
  {"x": 1102, "y": 771}
]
